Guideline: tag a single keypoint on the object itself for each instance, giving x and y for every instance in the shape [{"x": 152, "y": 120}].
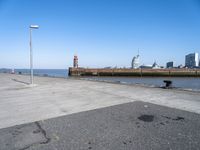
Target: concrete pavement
[
  {"x": 53, "y": 97},
  {"x": 60, "y": 114}
]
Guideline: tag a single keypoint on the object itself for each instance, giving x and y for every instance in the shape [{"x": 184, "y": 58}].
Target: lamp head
[{"x": 34, "y": 26}]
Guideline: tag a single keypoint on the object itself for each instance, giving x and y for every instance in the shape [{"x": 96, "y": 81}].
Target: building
[
  {"x": 192, "y": 60},
  {"x": 170, "y": 64},
  {"x": 155, "y": 66},
  {"x": 180, "y": 66},
  {"x": 135, "y": 62},
  {"x": 75, "y": 61},
  {"x": 146, "y": 66}
]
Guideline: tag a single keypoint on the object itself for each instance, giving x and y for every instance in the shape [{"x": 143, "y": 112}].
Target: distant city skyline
[{"x": 101, "y": 33}]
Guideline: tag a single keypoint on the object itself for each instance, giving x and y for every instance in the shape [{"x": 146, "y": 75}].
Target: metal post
[
  {"x": 31, "y": 58},
  {"x": 31, "y": 52}
]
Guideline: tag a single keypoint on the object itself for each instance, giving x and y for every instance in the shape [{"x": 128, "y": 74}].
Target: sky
[{"x": 101, "y": 32}]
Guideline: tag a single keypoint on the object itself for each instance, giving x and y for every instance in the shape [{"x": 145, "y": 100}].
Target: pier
[
  {"x": 134, "y": 72},
  {"x": 80, "y": 114}
]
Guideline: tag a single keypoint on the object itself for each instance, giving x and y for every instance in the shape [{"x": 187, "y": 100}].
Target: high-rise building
[
  {"x": 135, "y": 62},
  {"x": 170, "y": 64},
  {"x": 75, "y": 61},
  {"x": 192, "y": 60}
]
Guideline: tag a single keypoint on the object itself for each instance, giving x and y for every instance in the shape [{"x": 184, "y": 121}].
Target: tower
[
  {"x": 135, "y": 62},
  {"x": 75, "y": 61}
]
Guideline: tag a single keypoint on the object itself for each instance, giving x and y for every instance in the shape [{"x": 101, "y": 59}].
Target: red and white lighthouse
[{"x": 75, "y": 61}]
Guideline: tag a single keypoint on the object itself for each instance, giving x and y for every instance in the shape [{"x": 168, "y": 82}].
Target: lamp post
[{"x": 31, "y": 53}]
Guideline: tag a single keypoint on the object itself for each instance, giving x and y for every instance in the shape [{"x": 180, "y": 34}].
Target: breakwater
[{"x": 135, "y": 72}]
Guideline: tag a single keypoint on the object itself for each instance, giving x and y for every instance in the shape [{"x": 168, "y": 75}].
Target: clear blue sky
[{"x": 101, "y": 32}]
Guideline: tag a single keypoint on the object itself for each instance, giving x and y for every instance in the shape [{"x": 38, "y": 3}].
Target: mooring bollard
[{"x": 168, "y": 83}]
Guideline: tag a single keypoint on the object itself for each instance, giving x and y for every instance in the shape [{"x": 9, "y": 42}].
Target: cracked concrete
[{"x": 23, "y": 137}]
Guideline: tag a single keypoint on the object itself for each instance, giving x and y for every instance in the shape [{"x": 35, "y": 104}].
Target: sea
[
  {"x": 186, "y": 83},
  {"x": 62, "y": 73}
]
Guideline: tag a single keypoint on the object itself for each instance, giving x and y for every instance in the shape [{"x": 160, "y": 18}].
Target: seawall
[{"x": 134, "y": 72}]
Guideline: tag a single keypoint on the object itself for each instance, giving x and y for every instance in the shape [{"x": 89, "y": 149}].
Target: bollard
[{"x": 168, "y": 84}]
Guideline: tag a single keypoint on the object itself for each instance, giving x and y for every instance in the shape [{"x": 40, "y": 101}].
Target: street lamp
[{"x": 31, "y": 53}]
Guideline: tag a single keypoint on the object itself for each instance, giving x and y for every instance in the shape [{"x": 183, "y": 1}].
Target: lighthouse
[{"x": 75, "y": 61}]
